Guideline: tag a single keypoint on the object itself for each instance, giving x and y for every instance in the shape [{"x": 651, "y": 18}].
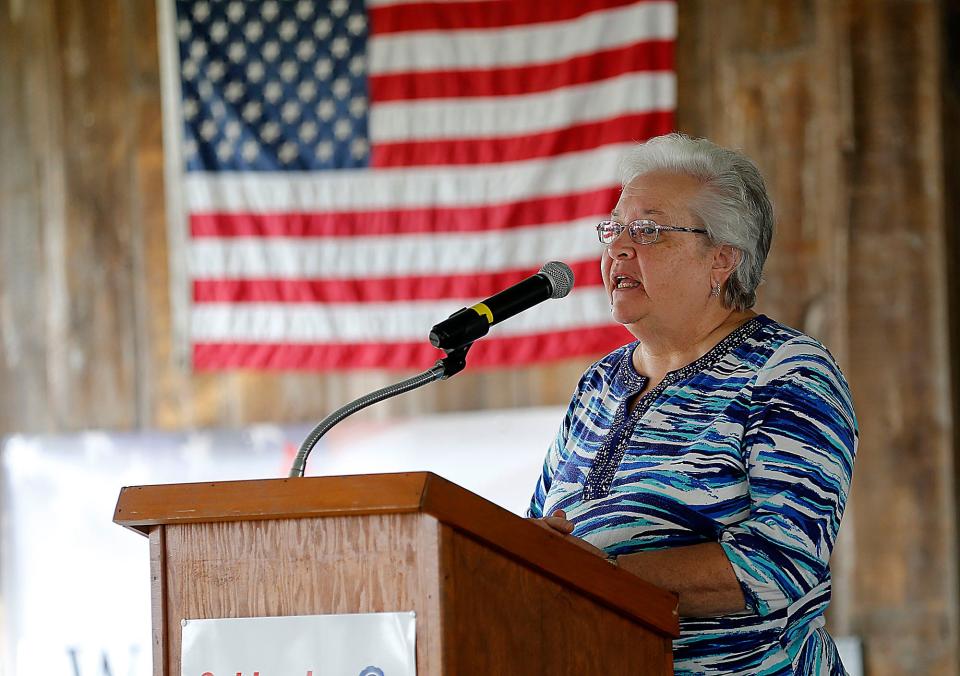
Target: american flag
[{"x": 350, "y": 173}]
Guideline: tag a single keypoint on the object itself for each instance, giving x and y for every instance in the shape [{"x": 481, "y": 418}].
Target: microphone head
[{"x": 560, "y": 276}]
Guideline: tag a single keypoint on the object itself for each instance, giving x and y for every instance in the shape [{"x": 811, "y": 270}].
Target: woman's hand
[{"x": 558, "y": 523}]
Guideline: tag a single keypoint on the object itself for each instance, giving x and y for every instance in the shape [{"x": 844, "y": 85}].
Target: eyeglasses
[{"x": 641, "y": 232}]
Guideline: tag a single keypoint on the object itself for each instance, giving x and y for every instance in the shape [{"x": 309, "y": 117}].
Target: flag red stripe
[
  {"x": 590, "y": 68},
  {"x": 432, "y": 16},
  {"x": 489, "y": 352},
  {"x": 552, "y": 209},
  {"x": 376, "y": 290},
  {"x": 525, "y": 147}
]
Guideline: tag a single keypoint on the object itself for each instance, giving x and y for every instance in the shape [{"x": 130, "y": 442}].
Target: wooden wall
[
  {"x": 847, "y": 106},
  {"x": 840, "y": 102}
]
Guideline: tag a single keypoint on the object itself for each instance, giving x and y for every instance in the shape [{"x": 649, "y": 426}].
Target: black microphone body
[{"x": 464, "y": 326}]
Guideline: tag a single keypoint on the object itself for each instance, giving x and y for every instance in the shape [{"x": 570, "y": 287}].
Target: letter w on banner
[{"x": 343, "y": 175}]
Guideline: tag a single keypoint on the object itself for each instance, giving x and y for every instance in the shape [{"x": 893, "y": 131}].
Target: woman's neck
[{"x": 664, "y": 349}]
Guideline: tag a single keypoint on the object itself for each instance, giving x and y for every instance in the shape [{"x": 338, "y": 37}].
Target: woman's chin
[{"x": 622, "y": 315}]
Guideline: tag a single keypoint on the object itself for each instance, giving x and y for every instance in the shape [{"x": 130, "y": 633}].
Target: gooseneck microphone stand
[
  {"x": 452, "y": 364},
  {"x": 455, "y": 336}
]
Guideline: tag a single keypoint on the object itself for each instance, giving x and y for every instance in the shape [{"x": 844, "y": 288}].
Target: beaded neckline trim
[
  {"x": 634, "y": 382},
  {"x": 610, "y": 455}
]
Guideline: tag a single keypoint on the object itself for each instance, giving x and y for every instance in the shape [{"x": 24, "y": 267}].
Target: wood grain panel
[
  {"x": 479, "y": 610},
  {"x": 505, "y": 618},
  {"x": 67, "y": 221},
  {"x": 98, "y": 352},
  {"x": 771, "y": 78},
  {"x": 950, "y": 81},
  {"x": 304, "y": 567},
  {"x": 550, "y": 554},
  {"x": 158, "y": 600},
  {"x": 141, "y": 507},
  {"x": 31, "y": 211},
  {"x": 906, "y": 587}
]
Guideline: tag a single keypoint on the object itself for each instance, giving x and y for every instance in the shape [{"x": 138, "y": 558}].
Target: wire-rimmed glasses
[{"x": 642, "y": 231}]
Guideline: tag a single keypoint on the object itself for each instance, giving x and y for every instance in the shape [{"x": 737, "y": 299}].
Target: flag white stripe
[
  {"x": 528, "y": 113},
  {"x": 403, "y": 187},
  {"x": 380, "y": 322},
  {"x": 392, "y": 256},
  {"x": 521, "y": 45}
]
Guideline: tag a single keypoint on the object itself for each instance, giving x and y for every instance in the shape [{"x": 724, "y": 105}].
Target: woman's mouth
[{"x": 621, "y": 282}]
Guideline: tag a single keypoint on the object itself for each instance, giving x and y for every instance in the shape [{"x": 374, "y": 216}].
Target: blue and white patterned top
[{"x": 751, "y": 446}]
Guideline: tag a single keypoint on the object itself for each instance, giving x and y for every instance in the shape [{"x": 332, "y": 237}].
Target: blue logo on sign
[{"x": 371, "y": 671}]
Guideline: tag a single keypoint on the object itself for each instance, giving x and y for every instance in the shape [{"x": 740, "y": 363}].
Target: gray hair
[{"x": 733, "y": 205}]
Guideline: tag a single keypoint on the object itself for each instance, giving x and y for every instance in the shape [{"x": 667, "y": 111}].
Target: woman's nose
[{"x": 622, "y": 246}]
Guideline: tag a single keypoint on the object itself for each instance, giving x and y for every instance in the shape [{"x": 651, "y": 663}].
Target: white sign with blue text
[{"x": 366, "y": 644}]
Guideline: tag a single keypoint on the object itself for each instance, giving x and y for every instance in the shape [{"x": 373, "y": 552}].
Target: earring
[{"x": 715, "y": 290}]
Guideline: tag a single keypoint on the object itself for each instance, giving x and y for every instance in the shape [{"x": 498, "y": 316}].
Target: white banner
[{"x": 368, "y": 644}]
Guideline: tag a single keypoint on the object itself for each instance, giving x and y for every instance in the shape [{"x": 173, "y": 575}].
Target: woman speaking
[{"x": 713, "y": 455}]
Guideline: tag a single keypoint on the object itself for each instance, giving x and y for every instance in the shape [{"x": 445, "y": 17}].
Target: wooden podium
[{"x": 493, "y": 593}]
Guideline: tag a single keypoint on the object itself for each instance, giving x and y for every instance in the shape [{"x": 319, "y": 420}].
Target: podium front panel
[{"x": 285, "y": 567}]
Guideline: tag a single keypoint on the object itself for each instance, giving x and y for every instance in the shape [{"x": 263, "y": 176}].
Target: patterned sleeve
[
  {"x": 550, "y": 464},
  {"x": 557, "y": 449},
  {"x": 799, "y": 449}
]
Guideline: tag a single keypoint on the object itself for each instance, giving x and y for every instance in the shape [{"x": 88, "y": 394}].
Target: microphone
[{"x": 464, "y": 326}]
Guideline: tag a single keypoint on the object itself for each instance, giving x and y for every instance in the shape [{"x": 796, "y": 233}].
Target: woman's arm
[{"x": 701, "y": 575}]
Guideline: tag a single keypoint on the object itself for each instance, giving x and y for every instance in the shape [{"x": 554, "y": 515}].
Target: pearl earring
[{"x": 715, "y": 290}]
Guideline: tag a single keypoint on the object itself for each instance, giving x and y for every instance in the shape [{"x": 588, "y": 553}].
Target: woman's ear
[{"x": 725, "y": 259}]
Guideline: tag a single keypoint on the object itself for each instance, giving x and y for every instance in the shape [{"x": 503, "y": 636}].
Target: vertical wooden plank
[
  {"x": 832, "y": 142},
  {"x": 950, "y": 82},
  {"x": 766, "y": 78},
  {"x": 31, "y": 194},
  {"x": 145, "y": 183},
  {"x": 430, "y": 641},
  {"x": 99, "y": 335},
  {"x": 68, "y": 227},
  {"x": 906, "y": 587},
  {"x": 158, "y": 600}
]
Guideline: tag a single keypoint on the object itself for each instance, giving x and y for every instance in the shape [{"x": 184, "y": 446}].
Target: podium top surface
[{"x": 143, "y": 508}]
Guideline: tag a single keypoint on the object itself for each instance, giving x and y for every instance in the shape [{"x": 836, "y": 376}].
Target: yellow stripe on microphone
[{"x": 482, "y": 310}]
